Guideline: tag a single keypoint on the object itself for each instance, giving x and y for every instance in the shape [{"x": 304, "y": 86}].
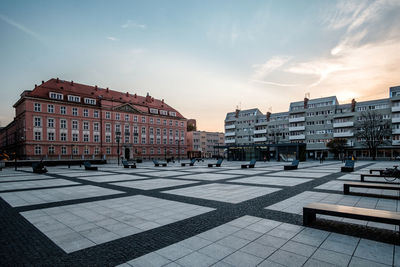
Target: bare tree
[{"x": 373, "y": 131}]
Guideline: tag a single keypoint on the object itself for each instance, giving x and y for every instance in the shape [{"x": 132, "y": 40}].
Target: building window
[
  {"x": 75, "y": 150},
  {"x": 96, "y": 114},
  {"x": 86, "y": 151},
  {"x": 63, "y": 124},
  {"x": 38, "y": 150},
  {"x": 151, "y": 151},
  {"x": 143, "y": 140},
  {"x": 75, "y": 125},
  {"x": 85, "y": 138},
  {"x": 165, "y": 131},
  {"x": 38, "y": 122},
  {"x": 50, "y": 108},
  {"x": 117, "y": 128},
  {"x": 134, "y": 118},
  {"x": 63, "y": 137},
  {"x": 164, "y": 112},
  {"x": 50, "y": 136},
  {"x": 85, "y": 113},
  {"x": 170, "y": 122},
  {"x": 165, "y": 122},
  {"x": 86, "y": 125},
  {"x": 126, "y": 139},
  {"x": 143, "y": 130},
  {"x": 108, "y": 150},
  {"x": 74, "y": 111},
  {"x": 158, "y": 150},
  {"x": 63, "y": 110},
  {"x": 135, "y": 129},
  {"x": 96, "y": 126},
  {"x": 151, "y": 130},
  {"x": 38, "y": 136},
  {"x": 143, "y": 119},
  {"x": 57, "y": 96},
  {"x": 90, "y": 101},
  {"x": 135, "y": 140},
  {"x": 96, "y": 138},
  {"x": 108, "y": 138},
  {"x": 51, "y": 150},
  {"x": 117, "y": 116},
  {"x": 126, "y": 117},
  {"x": 144, "y": 151},
  {"x": 37, "y": 107},
  {"x": 63, "y": 150},
  {"x": 108, "y": 127},
  {"x": 75, "y": 137},
  {"x": 181, "y": 123},
  {"x": 154, "y": 110},
  {"x": 173, "y": 114},
  {"x": 50, "y": 123},
  {"x": 74, "y": 98},
  {"x": 176, "y": 123},
  {"x": 158, "y": 131},
  {"x": 96, "y": 150},
  {"x": 158, "y": 121},
  {"x": 151, "y": 120},
  {"x": 151, "y": 140},
  {"x": 108, "y": 115}
]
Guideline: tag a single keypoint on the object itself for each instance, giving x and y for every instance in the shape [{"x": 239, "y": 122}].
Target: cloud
[
  {"x": 21, "y": 28},
  {"x": 262, "y": 70},
  {"x": 132, "y": 24},
  {"x": 111, "y": 38},
  {"x": 277, "y": 84}
]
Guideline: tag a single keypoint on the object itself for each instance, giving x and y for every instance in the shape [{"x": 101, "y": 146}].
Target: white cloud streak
[
  {"x": 111, "y": 38},
  {"x": 132, "y": 24},
  {"x": 21, "y": 28}
]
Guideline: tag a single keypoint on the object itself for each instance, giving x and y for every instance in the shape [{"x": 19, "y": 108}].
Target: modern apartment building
[
  {"x": 206, "y": 143},
  {"x": 314, "y": 122},
  {"x": 62, "y": 120}
]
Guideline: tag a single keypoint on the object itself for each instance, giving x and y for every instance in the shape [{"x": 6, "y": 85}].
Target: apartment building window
[
  {"x": 96, "y": 150},
  {"x": 152, "y": 151},
  {"x": 151, "y": 120},
  {"x": 176, "y": 123},
  {"x": 50, "y": 123},
  {"x": 158, "y": 121},
  {"x": 144, "y": 151},
  {"x": 158, "y": 140},
  {"x": 108, "y": 115},
  {"x": 117, "y": 128},
  {"x": 143, "y": 130},
  {"x": 135, "y": 119},
  {"x": 38, "y": 122},
  {"x": 63, "y": 110},
  {"x": 63, "y": 150},
  {"x": 74, "y": 111},
  {"x": 85, "y": 138},
  {"x": 135, "y": 140},
  {"x": 176, "y": 133},
  {"x": 96, "y": 126},
  {"x": 86, "y": 125},
  {"x": 126, "y": 139},
  {"x": 38, "y": 150},
  {"x": 151, "y": 140},
  {"x": 183, "y": 123},
  {"x": 117, "y": 116},
  {"x": 135, "y": 129},
  {"x": 63, "y": 137},
  {"x": 50, "y": 108},
  {"x": 96, "y": 138},
  {"x": 151, "y": 130},
  {"x": 37, "y": 107},
  {"x": 143, "y": 119},
  {"x": 165, "y": 141},
  {"x": 158, "y": 131},
  {"x": 63, "y": 124},
  {"x": 74, "y": 98},
  {"x": 75, "y": 150},
  {"x": 108, "y": 138},
  {"x": 86, "y": 151},
  {"x": 159, "y": 150},
  {"x": 75, "y": 137},
  {"x": 143, "y": 140},
  {"x": 126, "y": 117},
  {"x": 85, "y": 113},
  {"x": 90, "y": 101},
  {"x": 51, "y": 150},
  {"x": 108, "y": 127},
  {"x": 75, "y": 125},
  {"x": 165, "y": 131},
  {"x": 50, "y": 136},
  {"x": 38, "y": 136},
  {"x": 96, "y": 114},
  {"x": 108, "y": 150},
  {"x": 164, "y": 122}
]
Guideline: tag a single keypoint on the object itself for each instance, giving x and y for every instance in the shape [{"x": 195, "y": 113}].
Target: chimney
[
  {"x": 57, "y": 80},
  {"x": 107, "y": 90},
  {"x": 268, "y": 115},
  {"x": 305, "y": 102},
  {"x": 162, "y": 100},
  {"x": 148, "y": 98},
  {"x": 237, "y": 113},
  {"x": 353, "y": 105},
  {"x": 42, "y": 82},
  {"x": 127, "y": 93},
  {"x": 35, "y": 86},
  {"x": 72, "y": 83},
  {"x": 135, "y": 95}
]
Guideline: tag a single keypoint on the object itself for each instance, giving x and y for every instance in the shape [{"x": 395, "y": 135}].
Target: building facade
[
  {"x": 315, "y": 122},
  {"x": 206, "y": 143},
  {"x": 65, "y": 120}
]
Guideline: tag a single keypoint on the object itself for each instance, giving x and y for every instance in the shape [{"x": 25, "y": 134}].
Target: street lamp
[{"x": 118, "y": 137}]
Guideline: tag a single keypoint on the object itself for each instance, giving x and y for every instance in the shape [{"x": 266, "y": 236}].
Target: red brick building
[{"x": 62, "y": 120}]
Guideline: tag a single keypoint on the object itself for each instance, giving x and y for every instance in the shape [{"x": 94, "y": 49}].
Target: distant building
[
  {"x": 313, "y": 122},
  {"x": 63, "y": 119},
  {"x": 191, "y": 125},
  {"x": 205, "y": 143}
]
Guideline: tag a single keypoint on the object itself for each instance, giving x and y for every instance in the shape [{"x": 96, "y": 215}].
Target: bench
[
  {"x": 158, "y": 164},
  {"x": 191, "y": 163},
  {"x": 38, "y": 167},
  {"x": 382, "y": 216},
  {"x": 293, "y": 166},
  {"x": 376, "y": 170},
  {"x": 348, "y": 166},
  {"x": 363, "y": 176},
  {"x": 346, "y": 188},
  {"x": 127, "y": 165},
  {"x": 218, "y": 164},
  {"x": 251, "y": 164},
  {"x": 2, "y": 165},
  {"x": 89, "y": 167}
]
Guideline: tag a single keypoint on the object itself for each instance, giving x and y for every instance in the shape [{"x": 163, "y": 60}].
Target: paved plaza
[{"x": 191, "y": 216}]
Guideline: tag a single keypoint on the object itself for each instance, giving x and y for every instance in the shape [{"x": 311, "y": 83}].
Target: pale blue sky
[{"x": 203, "y": 57}]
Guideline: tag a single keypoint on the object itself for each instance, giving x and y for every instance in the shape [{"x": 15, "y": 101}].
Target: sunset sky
[{"x": 203, "y": 57}]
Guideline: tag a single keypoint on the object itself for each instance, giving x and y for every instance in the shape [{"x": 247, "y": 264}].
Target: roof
[{"x": 141, "y": 103}]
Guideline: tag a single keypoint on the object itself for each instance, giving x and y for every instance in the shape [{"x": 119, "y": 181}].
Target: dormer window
[
  {"x": 164, "y": 112},
  {"x": 173, "y": 114},
  {"x": 56, "y": 96},
  {"x": 154, "y": 110},
  {"x": 74, "y": 98},
  {"x": 90, "y": 101}
]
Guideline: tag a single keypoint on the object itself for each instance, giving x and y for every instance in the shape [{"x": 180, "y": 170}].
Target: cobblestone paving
[{"x": 188, "y": 216}]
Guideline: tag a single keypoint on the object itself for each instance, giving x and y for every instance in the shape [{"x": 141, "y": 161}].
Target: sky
[{"x": 205, "y": 58}]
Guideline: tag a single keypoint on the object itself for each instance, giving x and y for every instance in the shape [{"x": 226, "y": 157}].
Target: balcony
[
  {"x": 297, "y": 128},
  {"x": 343, "y": 134},
  {"x": 230, "y": 134},
  {"x": 298, "y": 119},
  {"x": 262, "y": 131},
  {"x": 396, "y": 142},
  {"x": 297, "y": 137},
  {"x": 396, "y": 131},
  {"x": 230, "y": 119},
  {"x": 227, "y": 127},
  {"x": 261, "y": 123},
  {"x": 230, "y": 141},
  {"x": 343, "y": 115},
  {"x": 343, "y": 124},
  {"x": 396, "y": 109},
  {"x": 260, "y": 139},
  {"x": 395, "y": 119}
]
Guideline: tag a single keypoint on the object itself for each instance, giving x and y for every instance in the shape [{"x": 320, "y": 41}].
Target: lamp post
[
  {"x": 118, "y": 136},
  {"x": 179, "y": 150}
]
